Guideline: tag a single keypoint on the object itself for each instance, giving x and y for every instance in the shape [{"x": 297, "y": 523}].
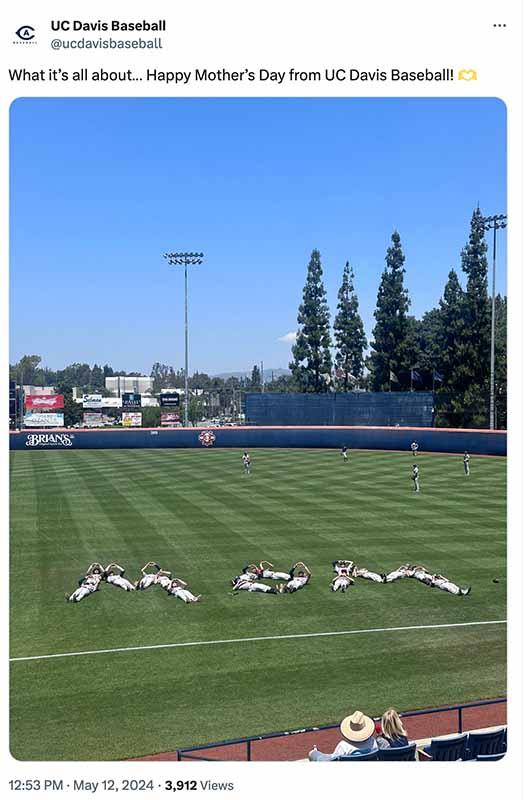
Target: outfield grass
[{"x": 196, "y": 513}]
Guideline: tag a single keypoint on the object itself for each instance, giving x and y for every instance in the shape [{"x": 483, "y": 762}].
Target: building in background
[{"x": 119, "y": 385}]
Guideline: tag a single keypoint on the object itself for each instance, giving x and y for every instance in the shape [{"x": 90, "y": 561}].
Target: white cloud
[{"x": 288, "y": 338}]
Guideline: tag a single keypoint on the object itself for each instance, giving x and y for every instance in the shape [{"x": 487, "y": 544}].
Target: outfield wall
[
  {"x": 438, "y": 440},
  {"x": 379, "y": 409}
]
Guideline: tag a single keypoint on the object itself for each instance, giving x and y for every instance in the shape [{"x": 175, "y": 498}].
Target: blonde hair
[{"x": 392, "y": 725}]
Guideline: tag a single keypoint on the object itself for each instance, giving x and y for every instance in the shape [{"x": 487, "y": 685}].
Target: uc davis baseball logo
[{"x": 207, "y": 438}]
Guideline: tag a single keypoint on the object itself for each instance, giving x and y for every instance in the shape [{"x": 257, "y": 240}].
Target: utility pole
[
  {"x": 185, "y": 259},
  {"x": 493, "y": 223}
]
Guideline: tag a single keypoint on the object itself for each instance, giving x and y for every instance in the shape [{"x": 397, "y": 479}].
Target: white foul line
[{"x": 260, "y": 639}]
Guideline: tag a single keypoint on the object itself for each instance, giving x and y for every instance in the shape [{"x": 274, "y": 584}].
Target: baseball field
[{"x": 126, "y": 674}]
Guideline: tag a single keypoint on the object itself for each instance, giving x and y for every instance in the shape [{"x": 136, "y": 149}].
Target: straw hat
[{"x": 357, "y": 727}]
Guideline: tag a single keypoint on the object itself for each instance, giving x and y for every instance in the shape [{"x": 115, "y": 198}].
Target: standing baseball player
[
  {"x": 415, "y": 477},
  {"x": 344, "y": 453},
  {"x": 246, "y": 463},
  {"x": 414, "y": 447},
  {"x": 466, "y": 463}
]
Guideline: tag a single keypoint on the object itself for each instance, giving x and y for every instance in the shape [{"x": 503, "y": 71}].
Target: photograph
[{"x": 258, "y": 345}]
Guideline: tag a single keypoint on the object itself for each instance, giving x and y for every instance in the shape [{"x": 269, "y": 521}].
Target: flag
[
  {"x": 414, "y": 376},
  {"x": 393, "y": 377},
  {"x": 437, "y": 377}
]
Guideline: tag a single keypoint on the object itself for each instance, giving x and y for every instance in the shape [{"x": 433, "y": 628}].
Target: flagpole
[
  {"x": 433, "y": 380},
  {"x": 411, "y": 381}
]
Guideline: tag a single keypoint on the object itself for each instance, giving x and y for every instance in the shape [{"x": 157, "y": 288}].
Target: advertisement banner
[
  {"x": 44, "y": 402},
  {"x": 171, "y": 400},
  {"x": 36, "y": 419},
  {"x": 132, "y": 419},
  {"x": 90, "y": 419},
  {"x": 92, "y": 401},
  {"x": 169, "y": 418},
  {"x": 131, "y": 400}
]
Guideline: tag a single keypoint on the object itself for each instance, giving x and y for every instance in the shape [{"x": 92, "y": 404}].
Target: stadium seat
[
  {"x": 407, "y": 753},
  {"x": 366, "y": 755},
  {"x": 453, "y": 748},
  {"x": 492, "y": 757},
  {"x": 486, "y": 744}
]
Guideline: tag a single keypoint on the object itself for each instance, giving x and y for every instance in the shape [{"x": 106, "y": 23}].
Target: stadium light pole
[
  {"x": 185, "y": 259},
  {"x": 493, "y": 223}
]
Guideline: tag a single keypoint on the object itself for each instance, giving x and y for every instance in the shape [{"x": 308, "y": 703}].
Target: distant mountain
[{"x": 247, "y": 373}]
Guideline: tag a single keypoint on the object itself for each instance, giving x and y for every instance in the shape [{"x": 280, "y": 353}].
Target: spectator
[
  {"x": 394, "y": 734},
  {"x": 358, "y": 736}
]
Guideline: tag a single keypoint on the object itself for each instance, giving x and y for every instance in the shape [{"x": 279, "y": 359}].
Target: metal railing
[{"x": 189, "y": 752}]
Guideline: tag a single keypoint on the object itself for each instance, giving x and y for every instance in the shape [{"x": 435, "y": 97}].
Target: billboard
[
  {"x": 91, "y": 419},
  {"x": 37, "y": 419},
  {"x": 169, "y": 418},
  {"x": 131, "y": 400},
  {"x": 44, "y": 402},
  {"x": 170, "y": 399},
  {"x": 132, "y": 419},
  {"x": 92, "y": 401}
]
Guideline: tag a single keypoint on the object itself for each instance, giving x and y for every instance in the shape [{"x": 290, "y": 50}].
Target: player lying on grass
[
  {"x": 341, "y": 581},
  {"x": 421, "y": 573},
  {"x": 343, "y": 566},
  {"x": 118, "y": 579},
  {"x": 397, "y": 574},
  {"x": 160, "y": 576},
  {"x": 177, "y": 588},
  {"x": 357, "y": 572},
  {"x": 243, "y": 583},
  {"x": 265, "y": 570},
  {"x": 297, "y": 579},
  {"x": 88, "y": 584}
]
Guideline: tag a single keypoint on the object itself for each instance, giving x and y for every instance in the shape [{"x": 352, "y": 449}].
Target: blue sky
[{"x": 101, "y": 188}]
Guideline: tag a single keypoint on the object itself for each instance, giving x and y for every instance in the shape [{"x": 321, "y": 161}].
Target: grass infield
[{"x": 197, "y": 514}]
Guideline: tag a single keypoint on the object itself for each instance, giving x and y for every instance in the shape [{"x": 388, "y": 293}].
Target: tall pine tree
[
  {"x": 255, "y": 379},
  {"x": 451, "y": 333},
  {"x": 476, "y": 306},
  {"x": 390, "y": 348},
  {"x": 312, "y": 360},
  {"x": 349, "y": 335}
]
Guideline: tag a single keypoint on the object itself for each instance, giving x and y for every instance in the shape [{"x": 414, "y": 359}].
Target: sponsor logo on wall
[
  {"x": 132, "y": 419},
  {"x": 92, "y": 419},
  {"x": 37, "y": 419},
  {"x": 169, "y": 418},
  {"x": 55, "y": 439},
  {"x": 207, "y": 438},
  {"x": 170, "y": 399},
  {"x": 92, "y": 401},
  {"x": 131, "y": 400},
  {"x": 44, "y": 401}
]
